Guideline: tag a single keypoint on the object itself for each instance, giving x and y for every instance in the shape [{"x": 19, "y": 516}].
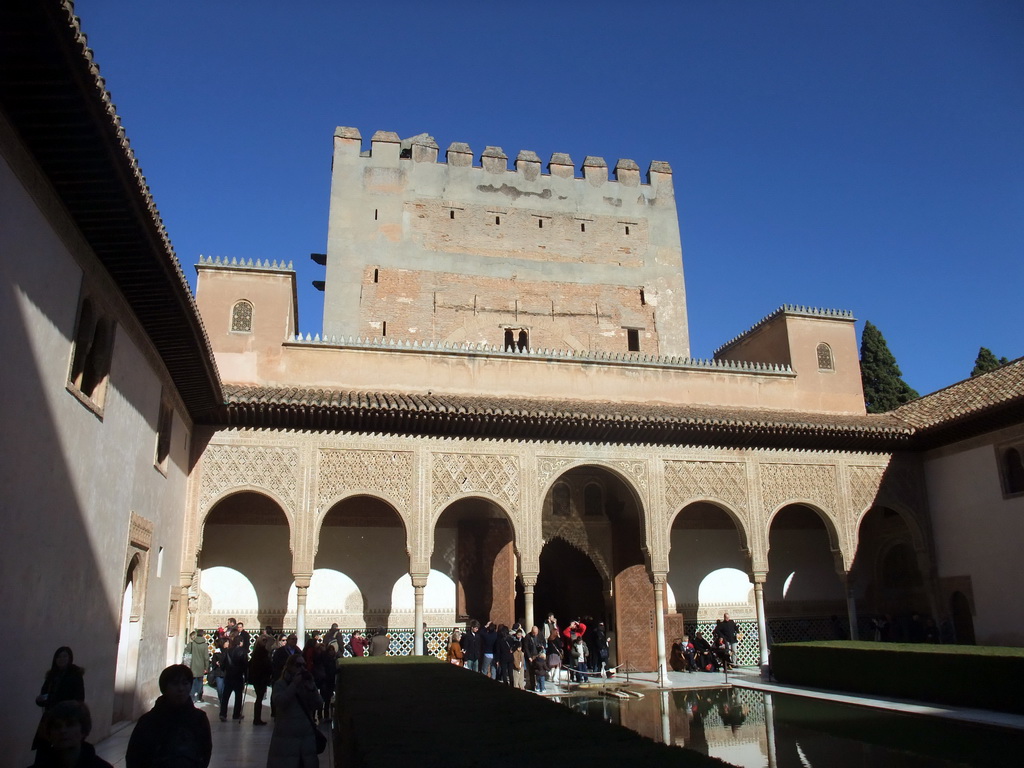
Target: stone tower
[{"x": 423, "y": 250}]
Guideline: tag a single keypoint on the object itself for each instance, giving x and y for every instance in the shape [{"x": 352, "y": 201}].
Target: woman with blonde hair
[{"x": 455, "y": 649}]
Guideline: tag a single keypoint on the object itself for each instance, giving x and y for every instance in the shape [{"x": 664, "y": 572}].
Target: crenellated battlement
[
  {"x": 788, "y": 309},
  {"x": 497, "y": 350},
  {"x": 387, "y": 148},
  {"x": 263, "y": 265}
]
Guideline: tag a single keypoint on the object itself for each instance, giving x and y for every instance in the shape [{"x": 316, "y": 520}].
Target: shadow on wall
[{"x": 55, "y": 587}]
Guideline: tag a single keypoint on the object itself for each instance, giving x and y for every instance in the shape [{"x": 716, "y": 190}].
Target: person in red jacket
[
  {"x": 358, "y": 643},
  {"x": 575, "y": 627}
]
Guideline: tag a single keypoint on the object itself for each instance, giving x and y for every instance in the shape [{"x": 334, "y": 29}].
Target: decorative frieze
[
  {"x": 793, "y": 483},
  {"x": 387, "y": 473},
  {"x": 456, "y": 474},
  {"x": 688, "y": 481},
  {"x": 272, "y": 468}
]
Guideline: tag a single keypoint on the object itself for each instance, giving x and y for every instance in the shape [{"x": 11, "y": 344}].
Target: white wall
[
  {"x": 69, "y": 479},
  {"x": 979, "y": 533}
]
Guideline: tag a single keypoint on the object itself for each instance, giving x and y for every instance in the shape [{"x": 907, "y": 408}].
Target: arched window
[
  {"x": 1013, "y": 471},
  {"x": 517, "y": 340},
  {"x": 825, "y": 360},
  {"x": 241, "y": 317}
]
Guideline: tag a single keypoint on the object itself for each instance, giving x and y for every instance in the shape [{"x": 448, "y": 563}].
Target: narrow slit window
[
  {"x": 627, "y": 229},
  {"x": 583, "y": 227},
  {"x": 384, "y": 328},
  {"x": 633, "y": 339},
  {"x": 497, "y": 219},
  {"x": 643, "y": 298},
  {"x": 451, "y": 214},
  {"x": 376, "y": 275},
  {"x": 540, "y": 223},
  {"x": 374, "y": 214}
]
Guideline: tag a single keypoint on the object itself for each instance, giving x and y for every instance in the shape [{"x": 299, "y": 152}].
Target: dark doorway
[
  {"x": 963, "y": 622},
  {"x": 568, "y": 586}
]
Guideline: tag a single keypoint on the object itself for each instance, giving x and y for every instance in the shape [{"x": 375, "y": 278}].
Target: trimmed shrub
[{"x": 961, "y": 675}]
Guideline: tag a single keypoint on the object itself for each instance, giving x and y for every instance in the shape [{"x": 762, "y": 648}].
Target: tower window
[
  {"x": 384, "y": 328},
  {"x": 374, "y": 214},
  {"x": 540, "y": 223},
  {"x": 633, "y": 339},
  {"x": 825, "y": 360},
  {"x": 643, "y": 298},
  {"x": 627, "y": 229},
  {"x": 451, "y": 214},
  {"x": 376, "y": 275},
  {"x": 583, "y": 227},
  {"x": 516, "y": 340},
  {"x": 497, "y": 219},
  {"x": 241, "y": 317}
]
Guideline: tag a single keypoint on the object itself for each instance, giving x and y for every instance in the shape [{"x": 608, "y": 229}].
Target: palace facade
[{"x": 500, "y": 419}]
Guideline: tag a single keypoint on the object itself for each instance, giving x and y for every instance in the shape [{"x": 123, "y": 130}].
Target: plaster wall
[
  {"x": 68, "y": 501},
  {"x": 978, "y": 532}
]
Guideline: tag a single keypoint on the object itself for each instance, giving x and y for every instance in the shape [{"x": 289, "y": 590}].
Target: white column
[
  {"x": 300, "y": 614},
  {"x": 417, "y": 647},
  {"x": 762, "y": 620},
  {"x": 769, "y": 729},
  {"x": 529, "y": 582},
  {"x": 851, "y": 606},
  {"x": 659, "y": 626}
]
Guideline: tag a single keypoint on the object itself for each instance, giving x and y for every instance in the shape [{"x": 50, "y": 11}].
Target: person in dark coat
[
  {"x": 471, "y": 646},
  {"x": 65, "y": 727},
  {"x": 235, "y": 664},
  {"x": 174, "y": 732},
  {"x": 64, "y": 681},
  {"x": 260, "y": 671}
]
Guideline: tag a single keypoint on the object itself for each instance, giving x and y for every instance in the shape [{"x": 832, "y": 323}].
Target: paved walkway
[{"x": 241, "y": 745}]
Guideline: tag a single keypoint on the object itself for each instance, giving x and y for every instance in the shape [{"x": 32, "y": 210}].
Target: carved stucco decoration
[
  {"x": 688, "y": 481},
  {"x": 274, "y": 468},
  {"x": 455, "y": 475},
  {"x": 865, "y": 483},
  {"x": 387, "y": 473},
  {"x": 548, "y": 467},
  {"x": 814, "y": 484}
]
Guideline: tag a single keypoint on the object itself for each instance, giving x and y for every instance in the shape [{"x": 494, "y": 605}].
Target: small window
[
  {"x": 1013, "y": 471},
  {"x": 516, "y": 340},
  {"x": 376, "y": 275},
  {"x": 643, "y": 298},
  {"x": 374, "y": 214},
  {"x": 451, "y": 214},
  {"x": 540, "y": 223},
  {"x": 90, "y": 360},
  {"x": 633, "y": 339},
  {"x": 164, "y": 426},
  {"x": 583, "y": 227},
  {"x": 825, "y": 361},
  {"x": 384, "y": 328},
  {"x": 241, "y": 317},
  {"x": 627, "y": 229},
  {"x": 497, "y": 219}
]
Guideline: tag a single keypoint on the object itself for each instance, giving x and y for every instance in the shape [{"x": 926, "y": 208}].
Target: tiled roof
[
  {"x": 556, "y": 420},
  {"x": 968, "y": 407}
]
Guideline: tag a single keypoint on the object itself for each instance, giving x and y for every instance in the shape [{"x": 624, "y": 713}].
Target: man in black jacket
[{"x": 471, "y": 646}]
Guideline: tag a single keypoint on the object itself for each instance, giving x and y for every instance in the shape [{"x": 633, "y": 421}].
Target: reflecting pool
[{"x": 770, "y": 730}]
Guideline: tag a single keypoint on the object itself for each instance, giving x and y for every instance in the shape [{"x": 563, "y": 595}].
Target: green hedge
[
  {"x": 416, "y": 711},
  {"x": 961, "y": 675}
]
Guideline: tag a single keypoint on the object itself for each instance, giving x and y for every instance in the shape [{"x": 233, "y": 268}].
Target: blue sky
[{"x": 852, "y": 155}]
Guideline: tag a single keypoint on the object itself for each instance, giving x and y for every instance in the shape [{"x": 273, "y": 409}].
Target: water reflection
[{"x": 754, "y": 730}]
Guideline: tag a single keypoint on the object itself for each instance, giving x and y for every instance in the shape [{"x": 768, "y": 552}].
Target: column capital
[
  {"x": 759, "y": 577},
  {"x": 659, "y": 578},
  {"x": 418, "y": 582},
  {"x": 302, "y": 580},
  {"x": 529, "y": 580}
]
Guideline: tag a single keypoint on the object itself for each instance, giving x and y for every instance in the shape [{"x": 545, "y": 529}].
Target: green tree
[
  {"x": 884, "y": 387},
  {"x": 986, "y": 362}
]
